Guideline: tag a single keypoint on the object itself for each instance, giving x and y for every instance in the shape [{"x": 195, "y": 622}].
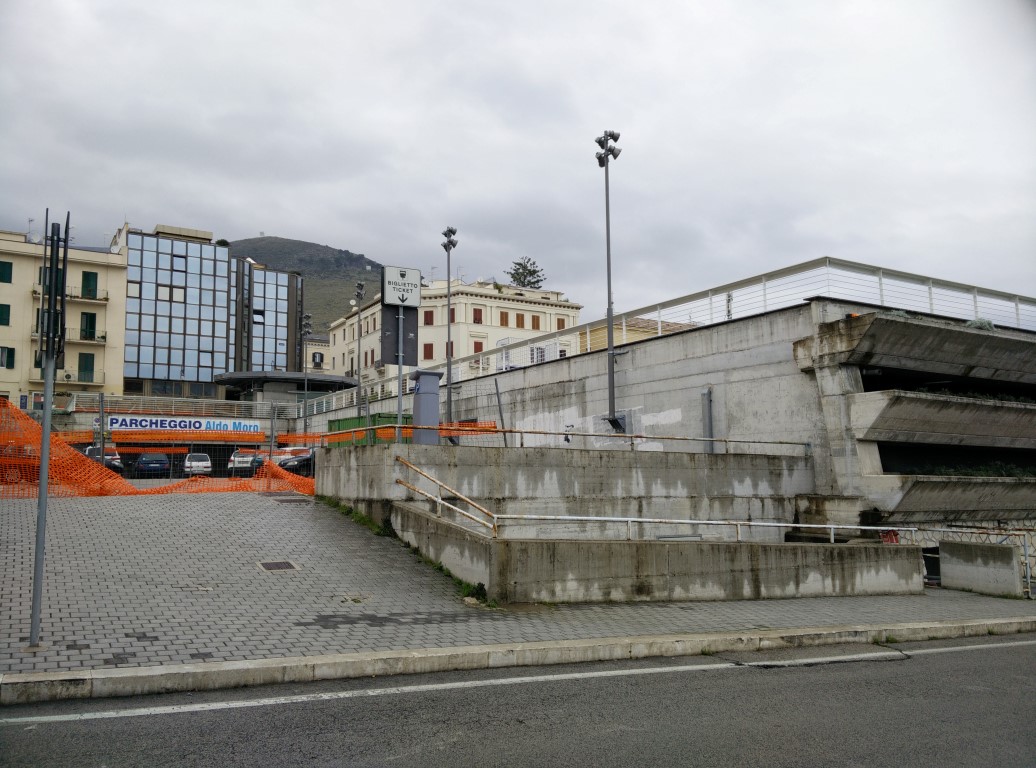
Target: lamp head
[
  {"x": 614, "y": 152},
  {"x": 602, "y": 159},
  {"x": 602, "y": 142},
  {"x": 613, "y": 135},
  {"x": 449, "y": 232}
]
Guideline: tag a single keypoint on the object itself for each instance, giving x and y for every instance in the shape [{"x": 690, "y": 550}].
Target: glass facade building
[{"x": 194, "y": 312}]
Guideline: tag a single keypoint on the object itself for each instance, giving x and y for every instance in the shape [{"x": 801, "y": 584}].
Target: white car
[{"x": 197, "y": 464}]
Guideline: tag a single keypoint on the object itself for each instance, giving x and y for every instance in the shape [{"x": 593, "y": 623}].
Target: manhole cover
[{"x": 277, "y": 565}]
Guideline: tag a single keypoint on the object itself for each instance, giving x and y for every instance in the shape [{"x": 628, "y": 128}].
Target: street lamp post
[
  {"x": 610, "y": 152},
  {"x": 307, "y": 331},
  {"x": 359, "y": 365},
  {"x": 448, "y": 245}
]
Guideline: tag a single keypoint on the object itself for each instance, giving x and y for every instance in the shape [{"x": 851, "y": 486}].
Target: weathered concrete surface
[
  {"x": 914, "y": 417},
  {"x": 565, "y": 571},
  {"x": 550, "y": 481},
  {"x": 989, "y": 569},
  {"x": 780, "y": 380}
]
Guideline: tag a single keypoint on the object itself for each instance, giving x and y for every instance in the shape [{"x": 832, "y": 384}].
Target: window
[
  {"x": 504, "y": 319},
  {"x": 476, "y": 315},
  {"x": 86, "y": 366},
  {"x": 429, "y": 317},
  {"x": 561, "y": 323},
  {"x": 5, "y": 314},
  {"x": 453, "y": 314},
  {"x": 535, "y": 322},
  {"x": 5, "y": 271},
  {"x": 519, "y": 320},
  {"x": 429, "y": 352},
  {"x": 89, "y": 285},
  {"x": 479, "y": 346},
  {"x": 88, "y": 326},
  {"x": 7, "y": 357}
]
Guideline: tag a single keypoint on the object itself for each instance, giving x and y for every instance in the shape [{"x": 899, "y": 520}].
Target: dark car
[
  {"x": 300, "y": 463},
  {"x": 151, "y": 465}
]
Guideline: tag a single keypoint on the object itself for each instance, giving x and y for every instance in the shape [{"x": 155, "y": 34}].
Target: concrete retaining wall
[
  {"x": 549, "y": 481},
  {"x": 991, "y": 569},
  {"x": 622, "y": 571}
]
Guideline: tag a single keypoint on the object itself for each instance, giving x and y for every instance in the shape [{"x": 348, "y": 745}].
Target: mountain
[{"x": 329, "y": 274}]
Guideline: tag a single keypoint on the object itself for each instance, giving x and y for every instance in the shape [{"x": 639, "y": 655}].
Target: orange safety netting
[{"x": 70, "y": 473}]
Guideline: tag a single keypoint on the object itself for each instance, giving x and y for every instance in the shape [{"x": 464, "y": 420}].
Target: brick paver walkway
[{"x": 176, "y": 579}]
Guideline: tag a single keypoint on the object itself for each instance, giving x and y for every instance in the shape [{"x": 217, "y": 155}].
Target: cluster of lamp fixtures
[
  {"x": 606, "y": 148},
  {"x": 450, "y": 242}
]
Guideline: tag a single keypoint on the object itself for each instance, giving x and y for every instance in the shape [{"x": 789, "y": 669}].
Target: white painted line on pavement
[{"x": 177, "y": 709}]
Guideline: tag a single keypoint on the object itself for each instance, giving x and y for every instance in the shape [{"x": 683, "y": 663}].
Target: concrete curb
[{"x": 29, "y": 687}]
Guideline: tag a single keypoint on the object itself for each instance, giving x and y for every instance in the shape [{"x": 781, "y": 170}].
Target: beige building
[
  {"x": 486, "y": 315},
  {"x": 95, "y": 295}
]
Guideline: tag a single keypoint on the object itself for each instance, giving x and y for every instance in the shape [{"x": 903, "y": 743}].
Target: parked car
[
  {"x": 112, "y": 460},
  {"x": 244, "y": 462},
  {"x": 300, "y": 462},
  {"x": 151, "y": 465},
  {"x": 197, "y": 464}
]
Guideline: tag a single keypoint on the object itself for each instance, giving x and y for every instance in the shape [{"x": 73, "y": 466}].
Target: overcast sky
[{"x": 756, "y": 134}]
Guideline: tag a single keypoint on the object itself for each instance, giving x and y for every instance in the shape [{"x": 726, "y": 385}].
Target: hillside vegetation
[{"x": 329, "y": 274}]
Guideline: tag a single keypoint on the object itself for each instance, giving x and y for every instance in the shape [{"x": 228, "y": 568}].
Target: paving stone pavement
[{"x": 134, "y": 582}]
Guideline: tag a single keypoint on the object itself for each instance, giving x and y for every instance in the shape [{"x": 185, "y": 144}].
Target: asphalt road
[{"x": 960, "y": 703}]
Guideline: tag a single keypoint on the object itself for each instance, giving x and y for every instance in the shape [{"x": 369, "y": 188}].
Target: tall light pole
[
  {"x": 307, "y": 331},
  {"x": 359, "y": 365},
  {"x": 448, "y": 245},
  {"x": 610, "y": 152}
]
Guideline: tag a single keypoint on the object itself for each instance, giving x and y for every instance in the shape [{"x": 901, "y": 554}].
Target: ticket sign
[{"x": 401, "y": 287}]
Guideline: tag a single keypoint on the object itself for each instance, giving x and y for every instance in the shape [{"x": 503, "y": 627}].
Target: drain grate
[{"x": 278, "y": 565}]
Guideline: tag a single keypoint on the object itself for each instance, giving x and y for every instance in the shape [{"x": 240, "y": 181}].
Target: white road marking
[{"x": 176, "y": 709}]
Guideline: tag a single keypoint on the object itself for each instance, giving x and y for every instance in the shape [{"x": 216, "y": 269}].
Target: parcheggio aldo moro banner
[{"x": 178, "y": 423}]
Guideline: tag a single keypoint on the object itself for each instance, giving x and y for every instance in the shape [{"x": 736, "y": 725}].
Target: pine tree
[{"x": 526, "y": 273}]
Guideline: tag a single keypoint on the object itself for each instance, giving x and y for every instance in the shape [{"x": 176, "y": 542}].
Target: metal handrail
[{"x": 439, "y": 500}]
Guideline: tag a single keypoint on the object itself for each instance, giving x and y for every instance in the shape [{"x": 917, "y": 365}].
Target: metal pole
[
  {"x": 49, "y": 336},
  {"x": 449, "y": 340},
  {"x": 359, "y": 364},
  {"x": 611, "y": 330},
  {"x": 399, "y": 375},
  {"x": 500, "y": 410},
  {"x": 100, "y": 418}
]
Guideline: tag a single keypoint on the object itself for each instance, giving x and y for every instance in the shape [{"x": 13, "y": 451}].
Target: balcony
[
  {"x": 70, "y": 377},
  {"x": 79, "y": 335},
  {"x": 77, "y": 293}
]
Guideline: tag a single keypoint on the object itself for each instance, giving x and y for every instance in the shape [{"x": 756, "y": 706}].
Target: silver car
[{"x": 197, "y": 464}]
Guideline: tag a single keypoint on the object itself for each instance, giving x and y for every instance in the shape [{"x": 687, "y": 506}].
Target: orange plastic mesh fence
[
  {"x": 70, "y": 473},
  {"x": 80, "y": 436}
]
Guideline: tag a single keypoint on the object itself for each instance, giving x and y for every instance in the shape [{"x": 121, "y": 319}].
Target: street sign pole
[
  {"x": 52, "y": 339},
  {"x": 400, "y": 287},
  {"x": 399, "y": 376}
]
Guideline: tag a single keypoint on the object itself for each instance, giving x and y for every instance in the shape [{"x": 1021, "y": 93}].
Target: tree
[{"x": 526, "y": 273}]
